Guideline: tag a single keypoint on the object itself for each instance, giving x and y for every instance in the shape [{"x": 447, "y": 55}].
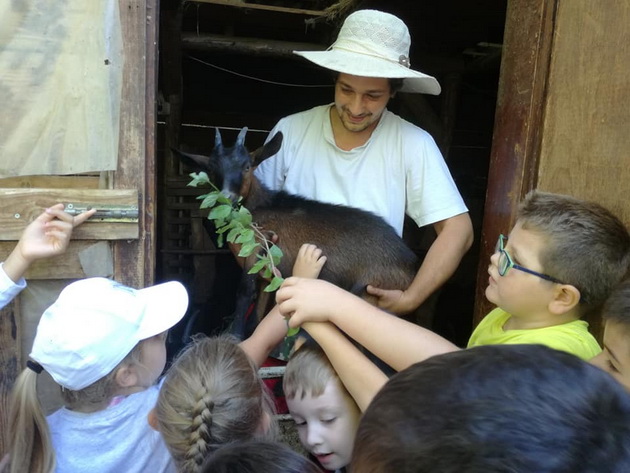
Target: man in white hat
[{"x": 355, "y": 152}]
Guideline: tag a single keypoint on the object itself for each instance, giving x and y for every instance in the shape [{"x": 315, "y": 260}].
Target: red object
[{"x": 275, "y": 386}]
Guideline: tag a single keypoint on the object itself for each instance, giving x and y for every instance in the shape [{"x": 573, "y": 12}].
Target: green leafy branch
[{"x": 233, "y": 223}]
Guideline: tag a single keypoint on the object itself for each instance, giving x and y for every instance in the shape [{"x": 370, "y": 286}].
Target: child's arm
[
  {"x": 395, "y": 341},
  {"x": 273, "y": 327},
  {"x": 362, "y": 378},
  {"x": 48, "y": 235}
]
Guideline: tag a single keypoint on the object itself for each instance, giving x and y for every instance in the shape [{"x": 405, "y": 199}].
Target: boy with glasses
[{"x": 562, "y": 260}]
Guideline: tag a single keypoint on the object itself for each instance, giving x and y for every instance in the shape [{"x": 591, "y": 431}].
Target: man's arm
[
  {"x": 362, "y": 378},
  {"x": 395, "y": 341},
  {"x": 454, "y": 238}
]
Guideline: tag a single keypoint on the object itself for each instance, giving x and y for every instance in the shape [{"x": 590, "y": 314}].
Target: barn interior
[{"x": 229, "y": 64}]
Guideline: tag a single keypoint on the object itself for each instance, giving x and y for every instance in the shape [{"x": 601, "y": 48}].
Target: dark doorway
[{"x": 231, "y": 66}]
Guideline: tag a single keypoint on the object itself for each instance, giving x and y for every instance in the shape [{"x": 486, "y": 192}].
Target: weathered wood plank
[
  {"x": 66, "y": 266},
  {"x": 134, "y": 260},
  {"x": 52, "y": 182},
  {"x": 10, "y": 363},
  {"x": 19, "y": 206},
  {"x": 585, "y": 149}
]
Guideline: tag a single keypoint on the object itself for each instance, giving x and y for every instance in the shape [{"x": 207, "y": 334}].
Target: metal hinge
[{"x": 106, "y": 213}]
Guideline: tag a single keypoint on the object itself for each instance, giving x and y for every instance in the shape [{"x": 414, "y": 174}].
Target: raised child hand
[
  {"x": 309, "y": 262},
  {"x": 308, "y": 300},
  {"x": 48, "y": 235}
]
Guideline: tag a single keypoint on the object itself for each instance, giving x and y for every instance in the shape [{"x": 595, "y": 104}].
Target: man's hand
[{"x": 394, "y": 301}]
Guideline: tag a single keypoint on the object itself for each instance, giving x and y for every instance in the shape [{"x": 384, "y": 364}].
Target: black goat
[{"x": 361, "y": 247}]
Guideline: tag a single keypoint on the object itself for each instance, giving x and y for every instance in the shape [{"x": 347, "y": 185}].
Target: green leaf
[
  {"x": 233, "y": 233},
  {"x": 246, "y": 236},
  {"x": 209, "y": 200},
  {"x": 259, "y": 265},
  {"x": 292, "y": 331},
  {"x": 267, "y": 273},
  {"x": 198, "y": 178},
  {"x": 276, "y": 254},
  {"x": 248, "y": 248},
  {"x": 275, "y": 283},
  {"x": 220, "y": 241},
  {"x": 245, "y": 217},
  {"x": 222, "y": 211}
]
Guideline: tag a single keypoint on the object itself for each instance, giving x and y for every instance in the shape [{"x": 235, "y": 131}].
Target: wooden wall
[
  {"x": 563, "y": 120},
  {"x": 585, "y": 147}
]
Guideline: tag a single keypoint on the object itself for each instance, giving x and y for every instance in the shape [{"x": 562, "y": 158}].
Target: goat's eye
[{"x": 247, "y": 168}]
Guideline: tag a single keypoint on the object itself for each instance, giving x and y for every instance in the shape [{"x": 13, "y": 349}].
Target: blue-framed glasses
[{"x": 505, "y": 263}]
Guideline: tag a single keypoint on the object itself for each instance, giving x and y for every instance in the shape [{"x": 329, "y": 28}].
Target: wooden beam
[
  {"x": 257, "y": 6},
  {"x": 52, "y": 182},
  {"x": 231, "y": 44},
  {"x": 19, "y": 206}
]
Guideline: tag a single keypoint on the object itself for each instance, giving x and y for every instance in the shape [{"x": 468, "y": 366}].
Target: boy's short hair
[
  {"x": 617, "y": 306},
  {"x": 587, "y": 246},
  {"x": 308, "y": 372},
  {"x": 497, "y": 408},
  {"x": 257, "y": 456}
]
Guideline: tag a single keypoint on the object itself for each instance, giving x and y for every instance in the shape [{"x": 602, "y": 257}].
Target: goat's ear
[
  {"x": 267, "y": 150},
  {"x": 197, "y": 162}
]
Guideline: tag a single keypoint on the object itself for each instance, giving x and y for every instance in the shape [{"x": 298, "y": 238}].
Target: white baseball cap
[
  {"x": 373, "y": 43},
  {"x": 95, "y": 323}
]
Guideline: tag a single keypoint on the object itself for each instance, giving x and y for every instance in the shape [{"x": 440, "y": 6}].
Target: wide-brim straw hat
[{"x": 372, "y": 43}]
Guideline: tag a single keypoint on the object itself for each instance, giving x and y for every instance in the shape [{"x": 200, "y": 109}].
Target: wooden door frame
[{"x": 517, "y": 135}]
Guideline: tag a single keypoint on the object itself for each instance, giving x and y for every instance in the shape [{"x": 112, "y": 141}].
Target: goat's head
[{"x": 231, "y": 168}]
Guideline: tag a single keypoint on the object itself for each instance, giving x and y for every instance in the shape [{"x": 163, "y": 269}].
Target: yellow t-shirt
[{"x": 572, "y": 337}]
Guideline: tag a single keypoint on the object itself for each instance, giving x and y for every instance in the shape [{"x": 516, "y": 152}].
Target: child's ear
[
  {"x": 566, "y": 297},
  {"x": 126, "y": 376},
  {"x": 265, "y": 423},
  {"x": 153, "y": 420}
]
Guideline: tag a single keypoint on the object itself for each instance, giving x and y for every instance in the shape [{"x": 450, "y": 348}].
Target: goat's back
[{"x": 361, "y": 247}]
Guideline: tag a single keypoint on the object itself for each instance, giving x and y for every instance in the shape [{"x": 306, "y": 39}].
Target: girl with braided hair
[{"x": 211, "y": 396}]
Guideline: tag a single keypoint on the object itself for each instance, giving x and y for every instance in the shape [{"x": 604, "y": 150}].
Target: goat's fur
[{"x": 360, "y": 246}]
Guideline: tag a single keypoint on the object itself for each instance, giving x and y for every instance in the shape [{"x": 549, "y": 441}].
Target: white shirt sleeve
[{"x": 8, "y": 288}]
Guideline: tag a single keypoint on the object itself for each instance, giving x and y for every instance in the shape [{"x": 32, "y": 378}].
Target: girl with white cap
[{"x": 103, "y": 343}]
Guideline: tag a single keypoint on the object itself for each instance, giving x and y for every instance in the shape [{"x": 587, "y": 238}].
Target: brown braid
[
  {"x": 211, "y": 396},
  {"x": 200, "y": 437}
]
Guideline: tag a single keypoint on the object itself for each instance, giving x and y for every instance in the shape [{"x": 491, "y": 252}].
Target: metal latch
[{"x": 106, "y": 213}]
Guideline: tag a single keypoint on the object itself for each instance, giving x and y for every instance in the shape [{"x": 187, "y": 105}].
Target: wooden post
[{"x": 518, "y": 123}]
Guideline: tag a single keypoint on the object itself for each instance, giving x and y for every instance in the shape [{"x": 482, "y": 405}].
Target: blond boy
[{"x": 325, "y": 415}]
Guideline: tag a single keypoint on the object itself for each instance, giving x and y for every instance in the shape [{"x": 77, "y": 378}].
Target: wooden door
[
  {"x": 562, "y": 115},
  {"x": 130, "y": 242}
]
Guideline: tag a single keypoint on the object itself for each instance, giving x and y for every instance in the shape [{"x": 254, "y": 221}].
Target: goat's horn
[
  {"x": 240, "y": 139},
  {"x": 217, "y": 139}
]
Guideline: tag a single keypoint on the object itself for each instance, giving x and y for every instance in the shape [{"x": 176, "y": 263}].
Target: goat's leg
[{"x": 244, "y": 316}]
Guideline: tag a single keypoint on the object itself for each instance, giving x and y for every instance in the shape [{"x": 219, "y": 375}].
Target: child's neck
[{"x": 543, "y": 320}]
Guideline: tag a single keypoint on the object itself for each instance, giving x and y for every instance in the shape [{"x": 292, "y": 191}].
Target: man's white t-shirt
[{"x": 399, "y": 171}]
